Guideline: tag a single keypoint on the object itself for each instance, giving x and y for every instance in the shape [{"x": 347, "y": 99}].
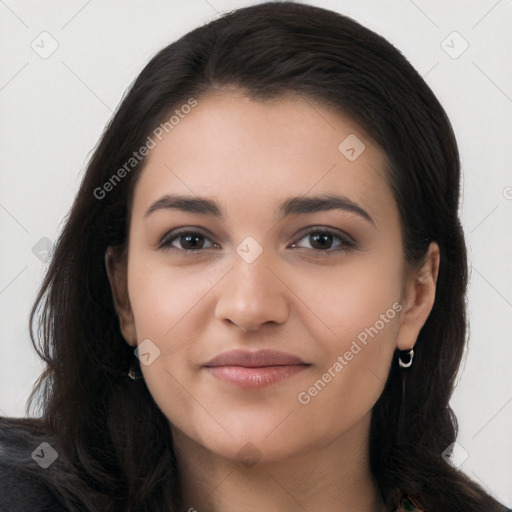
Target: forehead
[{"x": 238, "y": 149}]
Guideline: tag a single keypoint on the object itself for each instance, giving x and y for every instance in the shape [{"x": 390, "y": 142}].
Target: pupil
[
  {"x": 322, "y": 237},
  {"x": 189, "y": 240}
]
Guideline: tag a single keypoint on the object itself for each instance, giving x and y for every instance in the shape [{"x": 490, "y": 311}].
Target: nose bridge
[{"x": 251, "y": 294}]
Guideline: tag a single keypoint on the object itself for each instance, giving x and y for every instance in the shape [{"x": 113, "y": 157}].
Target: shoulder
[{"x": 23, "y": 457}]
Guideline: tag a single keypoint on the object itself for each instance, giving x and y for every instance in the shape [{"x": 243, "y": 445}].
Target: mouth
[{"x": 255, "y": 369}]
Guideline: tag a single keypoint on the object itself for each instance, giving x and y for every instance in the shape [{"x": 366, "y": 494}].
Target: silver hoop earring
[
  {"x": 408, "y": 356},
  {"x": 133, "y": 373}
]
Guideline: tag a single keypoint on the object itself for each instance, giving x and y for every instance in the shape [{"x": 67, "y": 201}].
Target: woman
[{"x": 270, "y": 226}]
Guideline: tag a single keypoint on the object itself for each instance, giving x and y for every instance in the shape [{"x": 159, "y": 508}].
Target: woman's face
[{"x": 296, "y": 264}]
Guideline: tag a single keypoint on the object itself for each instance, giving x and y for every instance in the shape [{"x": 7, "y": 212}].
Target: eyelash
[{"x": 346, "y": 242}]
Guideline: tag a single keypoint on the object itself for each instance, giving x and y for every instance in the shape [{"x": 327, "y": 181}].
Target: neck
[{"x": 335, "y": 477}]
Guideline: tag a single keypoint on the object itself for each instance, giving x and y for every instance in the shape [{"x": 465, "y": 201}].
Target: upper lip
[{"x": 255, "y": 359}]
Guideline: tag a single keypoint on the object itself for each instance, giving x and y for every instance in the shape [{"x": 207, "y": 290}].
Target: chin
[{"x": 251, "y": 451}]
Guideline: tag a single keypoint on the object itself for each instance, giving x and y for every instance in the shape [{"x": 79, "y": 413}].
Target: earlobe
[
  {"x": 116, "y": 267},
  {"x": 419, "y": 299}
]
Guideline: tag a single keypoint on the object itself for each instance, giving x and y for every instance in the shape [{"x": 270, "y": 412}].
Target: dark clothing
[
  {"x": 22, "y": 493},
  {"x": 22, "y": 486}
]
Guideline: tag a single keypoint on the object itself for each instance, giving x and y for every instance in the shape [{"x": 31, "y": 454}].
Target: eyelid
[
  {"x": 347, "y": 243},
  {"x": 170, "y": 236},
  {"x": 329, "y": 230}
]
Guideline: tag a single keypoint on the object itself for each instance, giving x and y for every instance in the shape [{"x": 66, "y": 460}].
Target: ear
[
  {"x": 419, "y": 294},
  {"x": 116, "y": 266}
]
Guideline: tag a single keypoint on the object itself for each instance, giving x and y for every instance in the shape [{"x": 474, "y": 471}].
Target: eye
[
  {"x": 190, "y": 241},
  {"x": 323, "y": 239}
]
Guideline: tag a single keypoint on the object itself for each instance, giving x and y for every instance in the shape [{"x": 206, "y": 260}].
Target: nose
[{"x": 252, "y": 294}]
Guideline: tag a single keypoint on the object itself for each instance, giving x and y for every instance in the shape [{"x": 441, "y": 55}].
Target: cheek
[
  {"x": 355, "y": 324},
  {"x": 356, "y": 360},
  {"x": 168, "y": 307},
  {"x": 164, "y": 298},
  {"x": 351, "y": 301}
]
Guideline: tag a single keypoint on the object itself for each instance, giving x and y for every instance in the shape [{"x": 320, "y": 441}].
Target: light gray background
[{"x": 53, "y": 111}]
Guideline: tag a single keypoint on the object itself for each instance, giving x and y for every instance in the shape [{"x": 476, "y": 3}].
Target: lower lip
[{"x": 254, "y": 377}]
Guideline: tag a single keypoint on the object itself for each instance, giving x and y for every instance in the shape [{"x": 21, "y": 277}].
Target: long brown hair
[{"x": 99, "y": 420}]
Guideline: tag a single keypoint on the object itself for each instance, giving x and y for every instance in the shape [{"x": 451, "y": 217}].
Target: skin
[{"x": 250, "y": 156}]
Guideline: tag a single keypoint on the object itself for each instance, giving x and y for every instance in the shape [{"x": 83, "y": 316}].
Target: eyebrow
[{"x": 291, "y": 206}]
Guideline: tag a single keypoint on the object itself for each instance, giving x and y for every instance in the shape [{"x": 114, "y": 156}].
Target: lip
[
  {"x": 256, "y": 369},
  {"x": 254, "y": 359}
]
